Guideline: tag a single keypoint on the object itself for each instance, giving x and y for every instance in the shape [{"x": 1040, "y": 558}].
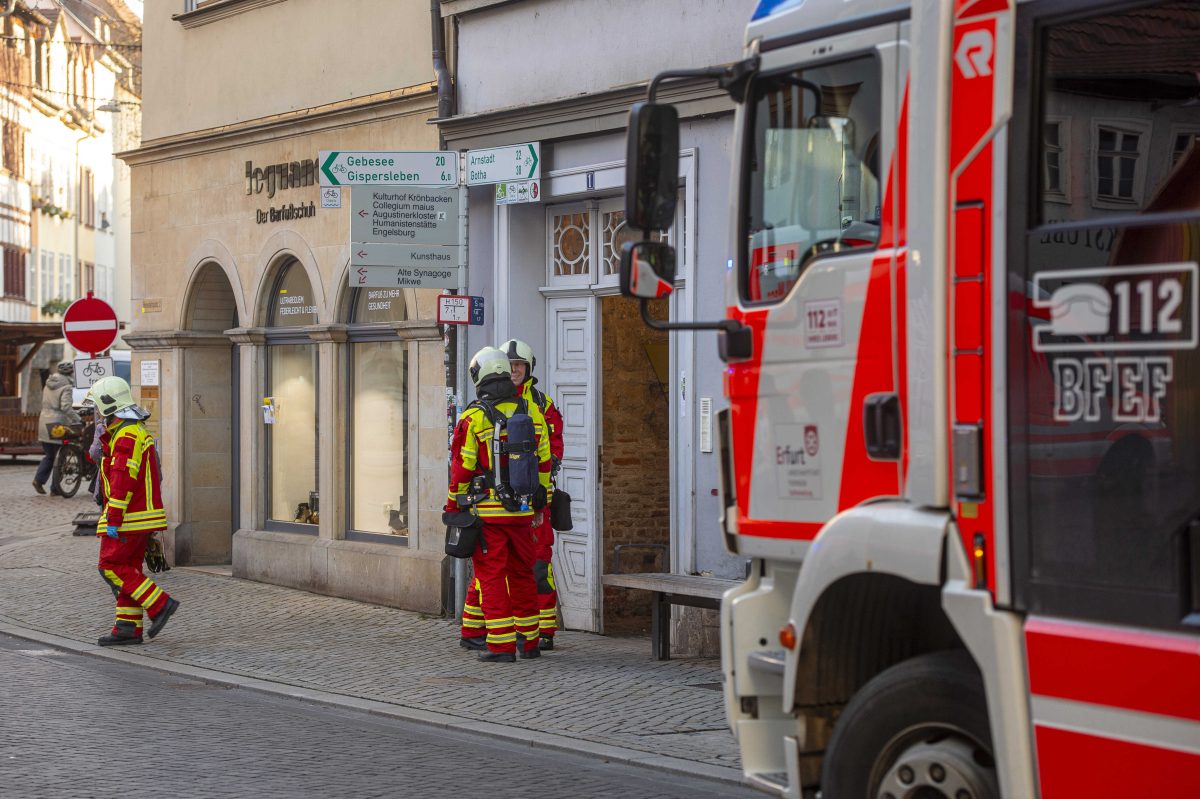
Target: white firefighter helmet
[
  {"x": 110, "y": 395},
  {"x": 489, "y": 362},
  {"x": 518, "y": 350}
]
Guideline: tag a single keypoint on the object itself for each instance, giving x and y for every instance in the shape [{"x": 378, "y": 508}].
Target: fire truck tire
[{"x": 919, "y": 728}]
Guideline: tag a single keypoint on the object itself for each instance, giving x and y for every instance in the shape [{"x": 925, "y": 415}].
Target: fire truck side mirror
[
  {"x": 647, "y": 269},
  {"x": 651, "y": 166}
]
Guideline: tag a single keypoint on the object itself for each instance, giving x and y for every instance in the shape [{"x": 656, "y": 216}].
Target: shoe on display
[{"x": 160, "y": 620}]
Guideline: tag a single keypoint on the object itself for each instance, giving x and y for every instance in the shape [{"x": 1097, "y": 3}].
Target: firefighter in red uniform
[
  {"x": 133, "y": 513},
  {"x": 507, "y": 592},
  {"x": 521, "y": 361}
]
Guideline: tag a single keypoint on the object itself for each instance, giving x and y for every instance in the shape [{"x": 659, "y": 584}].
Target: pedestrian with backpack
[{"x": 500, "y": 472}]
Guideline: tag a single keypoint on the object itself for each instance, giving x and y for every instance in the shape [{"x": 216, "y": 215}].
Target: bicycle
[
  {"x": 94, "y": 369},
  {"x": 72, "y": 465}
]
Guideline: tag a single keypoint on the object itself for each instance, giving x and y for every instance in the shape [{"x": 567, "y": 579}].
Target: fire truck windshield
[{"x": 812, "y": 175}]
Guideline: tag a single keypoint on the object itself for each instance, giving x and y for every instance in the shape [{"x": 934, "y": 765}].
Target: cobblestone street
[
  {"x": 210, "y": 741},
  {"x": 590, "y": 693}
]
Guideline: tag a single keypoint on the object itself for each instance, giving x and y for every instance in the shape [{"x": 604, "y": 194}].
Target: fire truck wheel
[{"x": 919, "y": 729}]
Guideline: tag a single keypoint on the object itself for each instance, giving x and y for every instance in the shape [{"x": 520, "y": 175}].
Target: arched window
[
  {"x": 290, "y": 409},
  {"x": 379, "y": 473}
]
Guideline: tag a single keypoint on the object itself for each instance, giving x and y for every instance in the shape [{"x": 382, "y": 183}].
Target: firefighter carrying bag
[
  {"x": 463, "y": 529},
  {"x": 560, "y": 511}
]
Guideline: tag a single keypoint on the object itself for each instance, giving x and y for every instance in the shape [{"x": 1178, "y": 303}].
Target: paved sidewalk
[{"x": 595, "y": 691}]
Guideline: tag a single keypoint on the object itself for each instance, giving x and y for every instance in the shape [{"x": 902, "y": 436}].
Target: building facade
[
  {"x": 639, "y": 405},
  {"x": 302, "y": 422},
  {"x": 69, "y": 100}
]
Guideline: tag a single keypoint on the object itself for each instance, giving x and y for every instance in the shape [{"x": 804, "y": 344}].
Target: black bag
[
  {"x": 463, "y": 530},
  {"x": 560, "y": 511}
]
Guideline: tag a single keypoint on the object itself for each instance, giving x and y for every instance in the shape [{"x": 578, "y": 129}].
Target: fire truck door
[
  {"x": 817, "y": 282},
  {"x": 1104, "y": 392}
]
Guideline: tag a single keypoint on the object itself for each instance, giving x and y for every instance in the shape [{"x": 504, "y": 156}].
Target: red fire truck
[{"x": 962, "y": 447}]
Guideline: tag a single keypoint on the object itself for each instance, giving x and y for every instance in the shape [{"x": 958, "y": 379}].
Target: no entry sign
[{"x": 90, "y": 325}]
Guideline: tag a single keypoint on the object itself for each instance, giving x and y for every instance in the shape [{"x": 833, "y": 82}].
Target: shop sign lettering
[{"x": 277, "y": 177}]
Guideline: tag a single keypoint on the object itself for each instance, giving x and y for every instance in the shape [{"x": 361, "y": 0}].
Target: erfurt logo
[
  {"x": 812, "y": 440},
  {"x": 798, "y": 462},
  {"x": 786, "y": 456}
]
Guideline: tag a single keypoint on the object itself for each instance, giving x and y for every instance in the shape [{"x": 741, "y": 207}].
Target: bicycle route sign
[
  {"x": 90, "y": 325},
  {"x": 89, "y": 370}
]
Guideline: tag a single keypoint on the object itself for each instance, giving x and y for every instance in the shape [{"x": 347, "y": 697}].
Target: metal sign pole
[{"x": 460, "y": 340}]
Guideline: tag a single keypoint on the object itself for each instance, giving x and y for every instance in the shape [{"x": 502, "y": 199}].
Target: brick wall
[{"x": 636, "y": 456}]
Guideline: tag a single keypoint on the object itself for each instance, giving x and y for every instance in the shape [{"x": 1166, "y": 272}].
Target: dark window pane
[{"x": 1139, "y": 64}]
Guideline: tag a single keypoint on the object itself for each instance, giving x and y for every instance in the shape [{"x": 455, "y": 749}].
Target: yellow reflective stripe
[
  {"x": 120, "y": 504},
  {"x": 133, "y": 609},
  {"x": 154, "y": 595},
  {"x": 526, "y": 620},
  {"x": 146, "y": 585},
  {"x": 548, "y": 624},
  {"x": 145, "y": 514},
  {"x": 472, "y": 609},
  {"x": 505, "y": 622},
  {"x": 501, "y": 638},
  {"x": 112, "y": 577},
  {"x": 472, "y": 624},
  {"x": 546, "y": 613}
]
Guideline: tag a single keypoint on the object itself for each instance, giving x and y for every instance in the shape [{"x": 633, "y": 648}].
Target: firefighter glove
[{"x": 111, "y": 531}]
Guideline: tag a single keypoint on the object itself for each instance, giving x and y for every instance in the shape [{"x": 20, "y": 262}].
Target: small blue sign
[{"x": 477, "y": 310}]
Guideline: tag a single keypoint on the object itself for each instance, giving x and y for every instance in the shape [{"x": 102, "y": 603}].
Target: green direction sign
[
  {"x": 500, "y": 164},
  {"x": 389, "y": 168}
]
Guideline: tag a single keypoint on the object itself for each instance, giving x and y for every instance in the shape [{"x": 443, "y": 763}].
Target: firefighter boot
[
  {"x": 477, "y": 644},
  {"x": 160, "y": 621},
  {"x": 498, "y": 657},
  {"x": 546, "y": 643},
  {"x": 527, "y": 648},
  {"x": 117, "y": 639}
]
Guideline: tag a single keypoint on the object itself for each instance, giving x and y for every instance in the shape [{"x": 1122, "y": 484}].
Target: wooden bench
[
  {"x": 667, "y": 590},
  {"x": 18, "y": 434}
]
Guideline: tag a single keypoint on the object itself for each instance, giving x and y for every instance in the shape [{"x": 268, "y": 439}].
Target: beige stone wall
[
  {"x": 190, "y": 206},
  {"x": 195, "y": 227},
  {"x": 275, "y": 58}
]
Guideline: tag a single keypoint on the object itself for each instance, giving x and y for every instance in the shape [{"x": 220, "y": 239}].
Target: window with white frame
[
  {"x": 1119, "y": 163},
  {"x": 585, "y": 240},
  {"x": 1056, "y": 161},
  {"x": 1183, "y": 140}
]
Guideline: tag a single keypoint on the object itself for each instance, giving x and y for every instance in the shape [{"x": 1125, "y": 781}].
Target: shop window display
[
  {"x": 290, "y": 410},
  {"x": 379, "y": 444}
]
